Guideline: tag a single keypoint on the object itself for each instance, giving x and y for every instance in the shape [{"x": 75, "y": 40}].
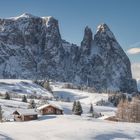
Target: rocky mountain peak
[
  {"x": 103, "y": 31},
  {"x": 87, "y": 40},
  {"x": 103, "y": 27}
]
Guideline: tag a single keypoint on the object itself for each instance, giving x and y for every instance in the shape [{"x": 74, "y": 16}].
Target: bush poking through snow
[
  {"x": 7, "y": 96},
  {"x": 45, "y": 84},
  {"x": 32, "y": 104},
  {"x": 24, "y": 99}
]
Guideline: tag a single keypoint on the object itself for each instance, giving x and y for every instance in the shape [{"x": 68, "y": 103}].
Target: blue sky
[{"x": 122, "y": 16}]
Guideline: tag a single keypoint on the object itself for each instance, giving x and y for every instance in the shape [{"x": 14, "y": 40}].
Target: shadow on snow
[
  {"x": 4, "y": 137},
  {"x": 112, "y": 136},
  {"x": 46, "y": 117}
]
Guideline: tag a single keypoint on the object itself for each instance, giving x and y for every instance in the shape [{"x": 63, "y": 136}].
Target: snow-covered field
[{"x": 68, "y": 126}]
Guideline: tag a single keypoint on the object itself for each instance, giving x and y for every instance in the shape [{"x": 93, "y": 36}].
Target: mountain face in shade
[{"x": 31, "y": 47}]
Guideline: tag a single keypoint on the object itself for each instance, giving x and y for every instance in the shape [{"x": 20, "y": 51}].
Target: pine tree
[
  {"x": 91, "y": 109},
  {"x": 7, "y": 96},
  {"x": 24, "y": 99},
  {"x": 74, "y": 104},
  {"x": 78, "y": 108},
  {"x": 32, "y": 104},
  {"x": 1, "y": 114}
]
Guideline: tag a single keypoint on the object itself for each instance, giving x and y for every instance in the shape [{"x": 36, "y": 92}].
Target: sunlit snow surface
[{"x": 68, "y": 126}]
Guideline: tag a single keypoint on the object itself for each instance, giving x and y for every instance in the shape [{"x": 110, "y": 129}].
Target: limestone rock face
[
  {"x": 87, "y": 41},
  {"x": 32, "y": 48}
]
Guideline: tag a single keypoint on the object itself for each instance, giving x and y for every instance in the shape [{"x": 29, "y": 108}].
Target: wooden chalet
[
  {"x": 25, "y": 115},
  {"x": 49, "y": 109}
]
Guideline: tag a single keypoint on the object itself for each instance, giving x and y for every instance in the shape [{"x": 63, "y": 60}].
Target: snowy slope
[
  {"x": 9, "y": 106},
  {"x": 69, "y": 127},
  {"x": 75, "y": 94},
  {"x": 85, "y": 98},
  {"x": 22, "y": 87},
  {"x": 19, "y": 87}
]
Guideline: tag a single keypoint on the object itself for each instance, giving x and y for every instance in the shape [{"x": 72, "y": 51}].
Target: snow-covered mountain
[{"x": 31, "y": 47}]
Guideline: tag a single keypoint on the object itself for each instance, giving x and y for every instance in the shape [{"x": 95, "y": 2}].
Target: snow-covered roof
[
  {"x": 53, "y": 105},
  {"x": 26, "y": 111}
]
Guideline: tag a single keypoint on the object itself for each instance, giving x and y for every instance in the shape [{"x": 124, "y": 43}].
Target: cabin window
[{"x": 19, "y": 117}]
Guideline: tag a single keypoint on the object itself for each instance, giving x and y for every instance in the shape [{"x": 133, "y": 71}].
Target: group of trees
[
  {"x": 115, "y": 98},
  {"x": 24, "y": 99},
  {"x": 32, "y": 103},
  {"x": 129, "y": 111},
  {"x": 79, "y": 87},
  {"x": 45, "y": 84},
  {"x": 77, "y": 108},
  {"x": 7, "y": 96}
]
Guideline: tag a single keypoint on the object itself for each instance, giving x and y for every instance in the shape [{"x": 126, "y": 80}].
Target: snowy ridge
[
  {"x": 103, "y": 28},
  {"x": 24, "y": 15}
]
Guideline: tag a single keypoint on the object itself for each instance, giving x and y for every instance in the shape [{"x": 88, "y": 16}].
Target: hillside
[
  {"x": 22, "y": 87},
  {"x": 69, "y": 126},
  {"x": 62, "y": 93}
]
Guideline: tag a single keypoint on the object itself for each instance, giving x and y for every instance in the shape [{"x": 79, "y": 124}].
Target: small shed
[
  {"x": 49, "y": 109},
  {"x": 25, "y": 115}
]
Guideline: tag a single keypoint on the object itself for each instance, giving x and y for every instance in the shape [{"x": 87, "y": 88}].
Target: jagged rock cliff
[{"x": 32, "y": 48}]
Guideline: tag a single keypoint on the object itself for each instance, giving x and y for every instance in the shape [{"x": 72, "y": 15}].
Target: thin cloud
[{"x": 133, "y": 51}]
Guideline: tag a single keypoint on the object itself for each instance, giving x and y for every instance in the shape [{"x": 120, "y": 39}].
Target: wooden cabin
[
  {"x": 25, "y": 115},
  {"x": 49, "y": 109}
]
